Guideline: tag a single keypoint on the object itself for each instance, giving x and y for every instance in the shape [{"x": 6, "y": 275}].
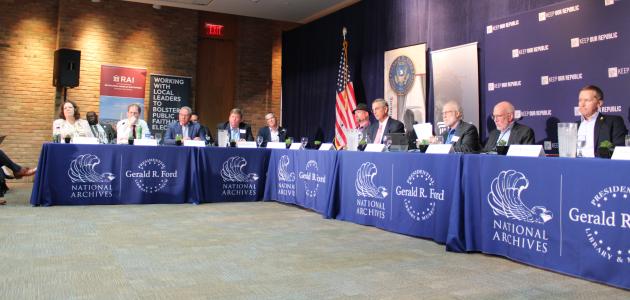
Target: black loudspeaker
[{"x": 66, "y": 69}]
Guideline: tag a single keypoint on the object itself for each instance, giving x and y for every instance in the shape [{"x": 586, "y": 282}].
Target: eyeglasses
[
  {"x": 448, "y": 112},
  {"x": 495, "y": 117}
]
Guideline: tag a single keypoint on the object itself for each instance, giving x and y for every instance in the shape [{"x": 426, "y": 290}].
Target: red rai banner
[{"x": 123, "y": 81}]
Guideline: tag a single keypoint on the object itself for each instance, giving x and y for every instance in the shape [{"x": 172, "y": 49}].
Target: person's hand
[
  {"x": 197, "y": 138},
  {"x": 186, "y": 138},
  {"x": 133, "y": 120}
]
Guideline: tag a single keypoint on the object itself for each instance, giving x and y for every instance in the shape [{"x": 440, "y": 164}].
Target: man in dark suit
[
  {"x": 507, "y": 129},
  {"x": 272, "y": 132},
  {"x": 464, "y": 136},
  {"x": 597, "y": 127},
  {"x": 194, "y": 117},
  {"x": 187, "y": 129},
  {"x": 237, "y": 130},
  {"x": 384, "y": 123}
]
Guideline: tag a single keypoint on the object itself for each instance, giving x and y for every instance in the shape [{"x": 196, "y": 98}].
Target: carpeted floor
[{"x": 261, "y": 250}]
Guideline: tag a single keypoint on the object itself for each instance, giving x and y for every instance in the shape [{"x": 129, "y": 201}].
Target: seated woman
[{"x": 70, "y": 122}]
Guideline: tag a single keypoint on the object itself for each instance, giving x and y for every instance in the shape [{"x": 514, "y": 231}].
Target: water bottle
[{"x": 138, "y": 131}]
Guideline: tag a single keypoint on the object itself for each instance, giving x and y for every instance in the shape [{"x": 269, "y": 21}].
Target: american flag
[{"x": 346, "y": 103}]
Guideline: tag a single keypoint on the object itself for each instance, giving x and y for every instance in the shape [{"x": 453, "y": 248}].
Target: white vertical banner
[
  {"x": 405, "y": 84},
  {"x": 456, "y": 78}
]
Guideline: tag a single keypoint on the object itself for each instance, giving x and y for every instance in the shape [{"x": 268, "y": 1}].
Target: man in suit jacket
[
  {"x": 464, "y": 136},
  {"x": 237, "y": 130},
  {"x": 188, "y": 129},
  {"x": 507, "y": 129},
  {"x": 272, "y": 132},
  {"x": 384, "y": 123},
  {"x": 597, "y": 127}
]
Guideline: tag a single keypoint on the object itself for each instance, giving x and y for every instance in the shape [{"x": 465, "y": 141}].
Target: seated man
[
  {"x": 18, "y": 172},
  {"x": 272, "y": 132},
  {"x": 507, "y": 129},
  {"x": 384, "y": 124},
  {"x": 597, "y": 127},
  {"x": 104, "y": 133},
  {"x": 194, "y": 117},
  {"x": 184, "y": 127},
  {"x": 127, "y": 127},
  {"x": 237, "y": 130},
  {"x": 462, "y": 135}
]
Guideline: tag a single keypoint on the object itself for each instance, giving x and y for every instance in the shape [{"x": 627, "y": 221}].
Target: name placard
[
  {"x": 296, "y": 146},
  {"x": 621, "y": 153},
  {"x": 85, "y": 140},
  {"x": 374, "y": 148},
  {"x": 276, "y": 145},
  {"x": 145, "y": 142},
  {"x": 194, "y": 143},
  {"x": 326, "y": 147},
  {"x": 526, "y": 150},
  {"x": 245, "y": 144},
  {"x": 440, "y": 149}
]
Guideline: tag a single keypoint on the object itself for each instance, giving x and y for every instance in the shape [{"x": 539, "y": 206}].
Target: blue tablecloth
[
  {"x": 114, "y": 174},
  {"x": 409, "y": 193},
  {"x": 567, "y": 215},
  {"x": 305, "y": 178},
  {"x": 232, "y": 174}
]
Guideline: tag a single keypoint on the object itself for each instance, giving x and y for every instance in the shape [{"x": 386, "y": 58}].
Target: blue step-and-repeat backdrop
[{"x": 540, "y": 59}]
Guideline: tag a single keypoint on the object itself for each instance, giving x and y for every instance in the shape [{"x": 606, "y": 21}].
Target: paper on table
[{"x": 423, "y": 131}]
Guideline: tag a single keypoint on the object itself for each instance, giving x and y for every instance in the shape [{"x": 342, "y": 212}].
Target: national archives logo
[
  {"x": 515, "y": 223},
  {"x": 603, "y": 227},
  {"x": 311, "y": 178},
  {"x": 370, "y": 198},
  {"x": 236, "y": 182},
  {"x": 286, "y": 179},
  {"x": 420, "y": 195},
  {"x": 151, "y": 175},
  {"x": 87, "y": 182}
]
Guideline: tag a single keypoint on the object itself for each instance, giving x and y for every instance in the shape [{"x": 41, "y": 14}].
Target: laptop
[{"x": 399, "y": 141}]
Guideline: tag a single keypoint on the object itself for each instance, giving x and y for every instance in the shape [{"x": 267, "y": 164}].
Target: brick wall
[
  {"x": 27, "y": 42},
  {"x": 117, "y": 33},
  {"x": 259, "y": 69}
]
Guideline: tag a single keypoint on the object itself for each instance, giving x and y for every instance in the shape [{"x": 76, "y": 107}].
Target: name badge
[
  {"x": 246, "y": 145},
  {"x": 85, "y": 140},
  {"x": 454, "y": 139},
  {"x": 276, "y": 145},
  {"x": 243, "y": 131},
  {"x": 326, "y": 147},
  {"x": 440, "y": 149},
  {"x": 145, "y": 142},
  {"x": 526, "y": 150},
  {"x": 194, "y": 143},
  {"x": 621, "y": 153},
  {"x": 296, "y": 146},
  {"x": 374, "y": 148}
]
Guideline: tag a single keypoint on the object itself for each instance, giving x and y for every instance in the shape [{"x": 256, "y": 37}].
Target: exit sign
[{"x": 214, "y": 30}]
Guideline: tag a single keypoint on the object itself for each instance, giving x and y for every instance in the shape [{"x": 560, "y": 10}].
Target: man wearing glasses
[
  {"x": 464, "y": 136},
  {"x": 507, "y": 129}
]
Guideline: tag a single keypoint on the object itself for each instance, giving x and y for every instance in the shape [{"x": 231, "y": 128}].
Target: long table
[{"x": 567, "y": 215}]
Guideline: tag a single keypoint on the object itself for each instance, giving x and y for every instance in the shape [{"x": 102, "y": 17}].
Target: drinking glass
[
  {"x": 628, "y": 140},
  {"x": 158, "y": 137},
  {"x": 581, "y": 142},
  {"x": 259, "y": 140},
  {"x": 304, "y": 142},
  {"x": 439, "y": 139}
]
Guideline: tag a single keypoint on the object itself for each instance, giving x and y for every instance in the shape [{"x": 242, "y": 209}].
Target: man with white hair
[
  {"x": 464, "y": 136},
  {"x": 184, "y": 127},
  {"x": 507, "y": 129}
]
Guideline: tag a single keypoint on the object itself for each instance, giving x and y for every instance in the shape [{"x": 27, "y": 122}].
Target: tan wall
[{"x": 119, "y": 33}]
